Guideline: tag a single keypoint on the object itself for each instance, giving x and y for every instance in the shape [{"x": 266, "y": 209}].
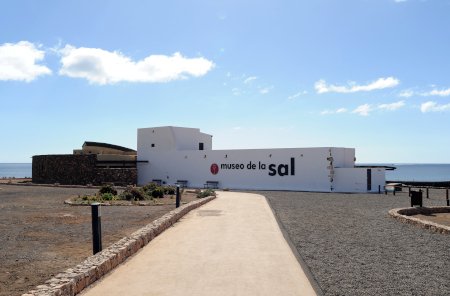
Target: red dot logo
[{"x": 214, "y": 169}]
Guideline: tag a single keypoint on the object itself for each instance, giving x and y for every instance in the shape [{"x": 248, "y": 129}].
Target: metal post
[
  {"x": 446, "y": 197},
  {"x": 178, "y": 199},
  {"x": 428, "y": 196},
  {"x": 409, "y": 190},
  {"x": 96, "y": 228},
  {"x": 379, "y": 189}
]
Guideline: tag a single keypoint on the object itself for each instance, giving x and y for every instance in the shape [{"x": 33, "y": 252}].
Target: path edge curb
[
  {"x": 306, "y": 269},
  {"x": 73, "y": 280}
]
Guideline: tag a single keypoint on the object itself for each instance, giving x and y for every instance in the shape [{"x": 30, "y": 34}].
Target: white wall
[
  {"x": 310, "y": 168},
  {"x": 172, "y": 138},
  {"x": 355, "y": 179},
  {"x": 176, "y": 157}
]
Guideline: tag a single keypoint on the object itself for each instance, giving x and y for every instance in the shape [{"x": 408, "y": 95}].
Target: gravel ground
[
  {"x": 353, "y": 247},
  {"x": 40, "y": 236}
]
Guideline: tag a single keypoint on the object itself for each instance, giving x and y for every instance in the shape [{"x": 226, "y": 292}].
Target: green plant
[
  {"x": 158, "y": 192},
  {"x": 108, "y": 196},
  {"x": 150, "y": 187},
  {"x": 206, "y": 193},
  {"x": 170, "y": 190},
  {"x": 107, "y": 189},
  {"x": 133, "y": 193}
]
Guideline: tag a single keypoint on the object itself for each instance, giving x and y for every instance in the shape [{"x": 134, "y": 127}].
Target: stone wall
[
  {"x": 78, "y": 170},
  {"x": 406, "y": 215}
]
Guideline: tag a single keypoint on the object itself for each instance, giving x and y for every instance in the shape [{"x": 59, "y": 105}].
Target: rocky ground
[
  {"x": 353, "y": 247},
  {"x": 41, "y": 236}
]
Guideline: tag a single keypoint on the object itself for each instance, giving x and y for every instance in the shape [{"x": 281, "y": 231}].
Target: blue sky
[{"x": 368, "y": 74}]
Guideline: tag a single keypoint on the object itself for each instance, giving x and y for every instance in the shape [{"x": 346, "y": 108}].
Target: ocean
[
  {"x": 404, "y": 172},
  {"x": 16, "y": 170},
  {"x": 419, "y": 172}
]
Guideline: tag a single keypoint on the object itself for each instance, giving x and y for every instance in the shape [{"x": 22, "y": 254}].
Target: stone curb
[
  {"x": 404, "y": 216},
  {"x": 73, "y": 280}
]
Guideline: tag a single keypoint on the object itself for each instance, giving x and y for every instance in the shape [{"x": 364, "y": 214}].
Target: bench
[
  {"x": 157, "y": 181},
  {"x": 182, "y": 183},
  {"x": 211, "y": 184}
]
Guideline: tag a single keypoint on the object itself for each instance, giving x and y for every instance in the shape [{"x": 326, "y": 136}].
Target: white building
[{"x": 184, "y": 155}]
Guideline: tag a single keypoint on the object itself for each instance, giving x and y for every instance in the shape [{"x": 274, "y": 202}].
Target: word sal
[{"x": 274, "y": 169}]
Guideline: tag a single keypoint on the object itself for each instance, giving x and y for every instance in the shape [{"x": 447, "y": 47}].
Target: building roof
[{"x": 106, "y": 145}]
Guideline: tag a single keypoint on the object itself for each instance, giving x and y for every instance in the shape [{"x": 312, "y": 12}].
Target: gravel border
[
  {"x": 73, "y": 280},
  {"x": 352, "y": 246}
]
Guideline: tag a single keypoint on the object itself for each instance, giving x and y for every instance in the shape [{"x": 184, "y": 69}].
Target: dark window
[
  {"x": 153, "y": 145},
  {"x": 369, "y": 179},
  {"x": 200, "y": 146}
]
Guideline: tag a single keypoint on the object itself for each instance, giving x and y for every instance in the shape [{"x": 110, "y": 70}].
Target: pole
[
  {"x": 446, "y": 197},
  {"x": 96, "y": 228},
  {"x": 427, "y": 193},
  {"x": 409, "y": 190},
  {"x": 379, "y": 189},
  {"x": 178, "y": 199}
]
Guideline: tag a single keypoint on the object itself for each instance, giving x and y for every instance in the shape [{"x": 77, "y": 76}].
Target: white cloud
[
  {"x": 337, "y": 111},
  {"x": 250, "y": 79},
  {"x": 297, "y": 95},
  {"x": 400, "y": 1},
  {"x": 435, "y": 92},
  {"x": 431, "y": 106},
  {"x": 392, "y": 106},
  {"x": 18, "y": 61},
  {"x": 322, "y": 87},
  {"x": 407, "y": 93},
  {"x": 265, "y": 90},
  {"x": 99, "y": 66},
  {"x": 363, "y": 110}
]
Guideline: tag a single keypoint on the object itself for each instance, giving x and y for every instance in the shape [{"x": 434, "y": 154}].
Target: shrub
[
  {"x": 158, "y": 192},
  {"x": 108, "y": 196},
  {"x": 206, "y": 193},
  {"x": 108, "y": 189},
  {"x": 170, "y": 190},
  {"x": 133, "y": 193},
  {"x": 150, "y": 187}
]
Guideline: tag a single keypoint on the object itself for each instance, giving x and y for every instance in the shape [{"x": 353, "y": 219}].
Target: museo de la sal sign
[{"x": 284, "y": 169}]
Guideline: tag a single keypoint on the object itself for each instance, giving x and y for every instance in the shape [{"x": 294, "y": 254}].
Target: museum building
[{"x": 179, "y": 155}]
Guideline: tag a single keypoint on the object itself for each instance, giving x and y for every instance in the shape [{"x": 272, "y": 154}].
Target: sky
[{"x": 373, "y": 75}]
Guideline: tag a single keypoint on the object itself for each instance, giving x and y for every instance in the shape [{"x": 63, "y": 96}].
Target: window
[{"x": 200, "y": 146}]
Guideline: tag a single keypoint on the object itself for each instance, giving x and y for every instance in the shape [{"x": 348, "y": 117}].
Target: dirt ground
[
  {"x": 41, "y": 236},
  {"x": 440, "y": 218}
]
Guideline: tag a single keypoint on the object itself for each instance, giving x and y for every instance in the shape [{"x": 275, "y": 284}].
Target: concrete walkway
[{"x": 230, "y": 246}]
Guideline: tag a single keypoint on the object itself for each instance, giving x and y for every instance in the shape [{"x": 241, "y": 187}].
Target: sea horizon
[{"x": 420, "y": 172}]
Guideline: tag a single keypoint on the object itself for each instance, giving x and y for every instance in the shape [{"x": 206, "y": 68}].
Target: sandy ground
[
  {"x": 440, "y": 218},
  {"x": 41, "y": 236}
]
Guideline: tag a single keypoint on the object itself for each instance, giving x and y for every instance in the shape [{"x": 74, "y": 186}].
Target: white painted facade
[{"x": 173, "y": 154}]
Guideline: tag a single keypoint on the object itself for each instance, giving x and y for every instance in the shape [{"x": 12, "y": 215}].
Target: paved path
[{"x": 230, "y": 246}]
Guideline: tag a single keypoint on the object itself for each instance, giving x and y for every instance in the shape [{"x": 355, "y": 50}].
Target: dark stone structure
[{"x": 79, "y": 170}]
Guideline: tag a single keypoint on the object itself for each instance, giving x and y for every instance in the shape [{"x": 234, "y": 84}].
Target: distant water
[
  {"x": 404, "y": 172},
  {"x": 419, "y": 172},
  {"x": 16, "y": 170}
]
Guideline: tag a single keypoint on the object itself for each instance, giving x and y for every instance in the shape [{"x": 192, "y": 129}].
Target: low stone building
[{"x": 96, "y": 164}]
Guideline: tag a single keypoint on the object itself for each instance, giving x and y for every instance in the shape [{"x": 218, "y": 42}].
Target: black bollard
[
  {"x": 178, "y": 199},
  {"x": 428, "y": 196},
  {"x": 446, "y": 197},
  {"x": 96, "y": 228},
  {"x": 379, "y": 189},
  {"x": 409, "y": 190}
]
